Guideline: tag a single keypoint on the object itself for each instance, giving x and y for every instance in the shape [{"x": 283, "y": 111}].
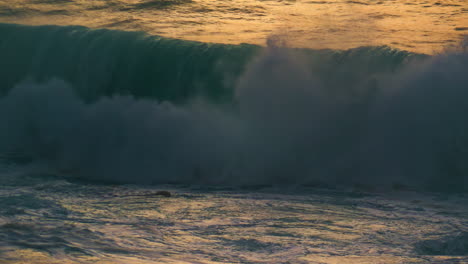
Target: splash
[{"x": 334, "y": 121}]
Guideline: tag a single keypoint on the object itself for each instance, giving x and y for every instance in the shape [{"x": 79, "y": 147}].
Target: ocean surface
[
  {"x": 424, "y": 26},
  {"x": 286, "y": 131}
]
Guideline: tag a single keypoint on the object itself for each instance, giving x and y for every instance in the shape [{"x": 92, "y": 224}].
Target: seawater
[
  {"x": 45, "y": 219},
  {"x": 423, "y": 26},
  {"x": 336, "y": 133}
]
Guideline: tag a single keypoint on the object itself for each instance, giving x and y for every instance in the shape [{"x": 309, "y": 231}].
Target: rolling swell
[
  {"x": 109, "y": 62},
  {"x": 172, "y": 111},
  {"x": 105, "y": 62}
]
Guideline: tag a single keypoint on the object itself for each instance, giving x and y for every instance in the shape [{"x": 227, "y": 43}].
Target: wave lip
[{"x": 107, "y": 62}]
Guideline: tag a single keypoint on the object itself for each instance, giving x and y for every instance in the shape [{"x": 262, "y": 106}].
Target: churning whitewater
[{"x": 126, "y": 107}]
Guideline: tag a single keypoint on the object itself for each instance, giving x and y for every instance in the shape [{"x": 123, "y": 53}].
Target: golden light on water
[
  {"x": 414, "y": 25},
  {"x": 220, "y": 227}
]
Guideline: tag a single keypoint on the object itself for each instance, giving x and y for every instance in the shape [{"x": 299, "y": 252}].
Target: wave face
[
  {"x": 107, "y": 62},
  {"x": 127, "y": 107}
]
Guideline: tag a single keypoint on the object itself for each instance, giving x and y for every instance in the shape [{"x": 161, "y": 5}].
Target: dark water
[{"x": 45, "y": 219}]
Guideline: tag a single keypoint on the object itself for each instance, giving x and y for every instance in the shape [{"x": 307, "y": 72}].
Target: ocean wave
[
  {"x": 108, "y": 62},
  {"x": 368, "y": 116}
]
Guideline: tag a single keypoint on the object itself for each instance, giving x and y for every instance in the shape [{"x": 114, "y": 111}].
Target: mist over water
[{"x": 290, "y": 121}]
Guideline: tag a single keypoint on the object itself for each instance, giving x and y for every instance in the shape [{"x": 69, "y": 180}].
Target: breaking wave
[
  {"x": 125, "y": 107},
  {"x": 108, "y": 62}
]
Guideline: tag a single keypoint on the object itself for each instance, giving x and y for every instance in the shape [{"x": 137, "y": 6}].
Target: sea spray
[{"x": 369, "y": 116}]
